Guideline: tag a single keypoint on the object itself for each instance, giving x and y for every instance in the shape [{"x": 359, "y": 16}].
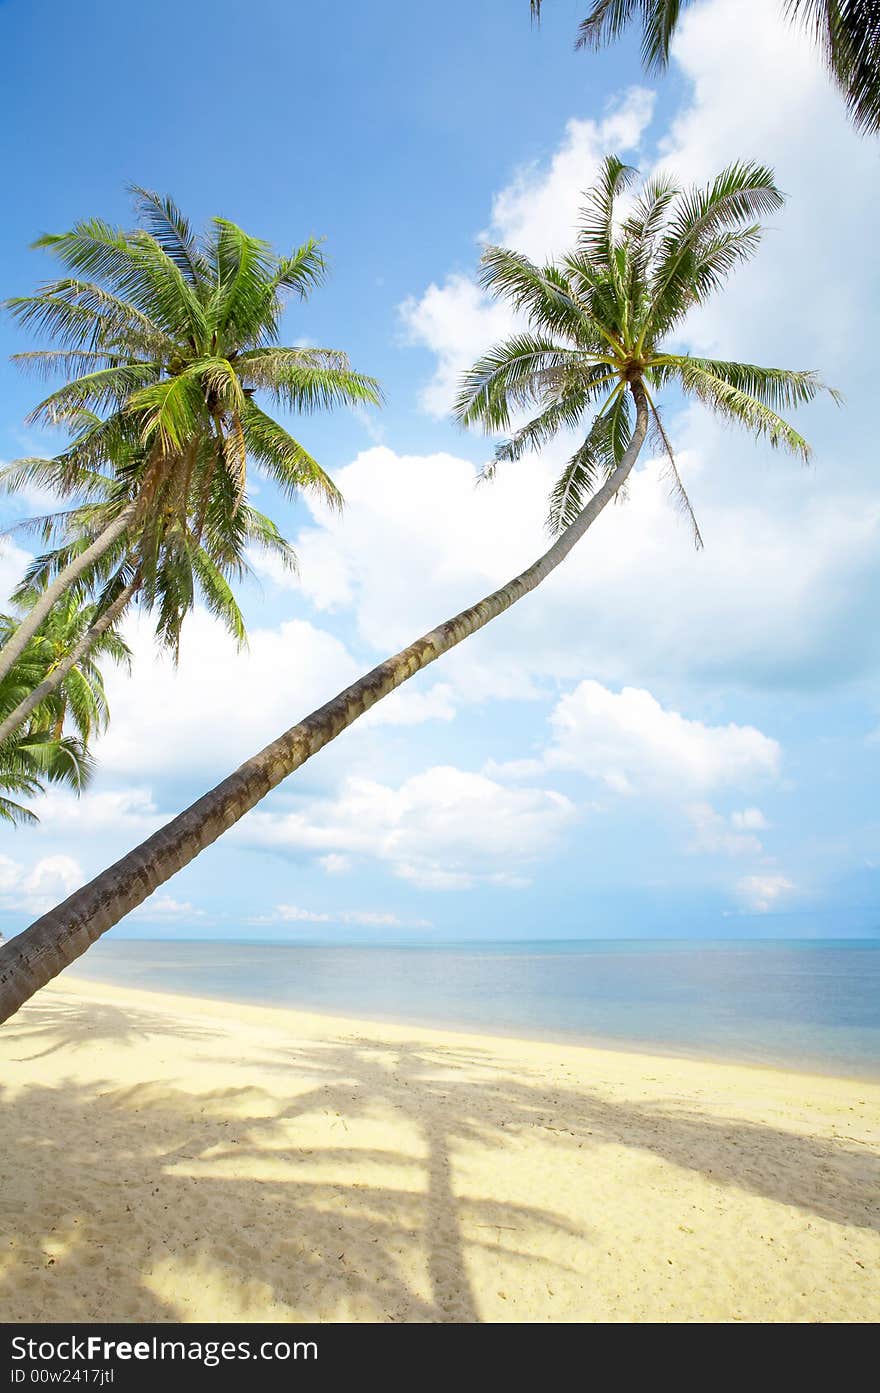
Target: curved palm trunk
[
  {"x": 58, "y": 674},
  {"x": 40, "y": 952},
  {"x": 15, "y": 646}
]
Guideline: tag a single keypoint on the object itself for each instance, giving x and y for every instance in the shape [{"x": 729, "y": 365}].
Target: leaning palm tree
[
  {"x": 592, "y": 359},
  {"x": 846, "y": 32},
  {"x": 40, "y": 752},
  {"x": 164, "y": 563},
  {"x": 31, "y": 760},
  {"x": 170, "y": 337},
  {"x": 70, "y": 683}
]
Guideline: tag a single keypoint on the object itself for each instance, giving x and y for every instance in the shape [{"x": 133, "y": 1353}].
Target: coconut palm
[
  {"x": 593, "y": 359},
  {"x": 170, "y": 337},
  {"x": 164, "y": 562},
  {"x": 846, "y": 32},
  {"x": 78, "y": 693},
  {"x": 40, "y": 753},
  {"x": 31, "y": 760}
]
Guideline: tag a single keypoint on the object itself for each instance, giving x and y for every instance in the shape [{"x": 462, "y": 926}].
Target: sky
[{"x": 659, "y": 742}]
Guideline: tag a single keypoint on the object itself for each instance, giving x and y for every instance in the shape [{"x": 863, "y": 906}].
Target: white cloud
[
  {"x": 165, "y": 908},
  {"x": 13, "y": 560},
  {"x": 35, "y": 889},
  {"x": 733, "y": 52},
  {"x": 408, "y": 706},
  {"x": 96, "y": 813},
  {"x": 750, "y": 819},
  {"x": 535, "y": 213},
  {"x": 441, "y": 829},
  {"x": 633, "y": 744},
  {"x": 456, "y": 321},
  {"x": 334, "y": 864},
  {"x": 768, "y": 601},
  {"x": 219, "y": 706},
  {"x": 734, "y": 835},
  {"x": 762, "y": 893},
  {"x": 538, "y": 209},
  {"x": 785, "y": 591}
]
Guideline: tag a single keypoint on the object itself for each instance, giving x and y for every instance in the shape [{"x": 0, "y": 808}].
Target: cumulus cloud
[
  {"x": 535, "y": 214},
  {"x": 13, "y": 560},
  {"x": 762, "y": 893},
  {"x": 783, "y": 594},
  {"x": 166, "y": 908},
  {"x": 731, "y": 52},
  {"x": 632, "y": 742},
  {"x": 335, "y": 864},
  {"x": 443, "y": 829},
  {"x": 34, "y": 889},
  {"x": 456, "y": 321},
  {"x": 768, "y": 603},
  {"x": 219, "y": 706},
  {"x": 727, "y": 835},
  {"x": 130, "y": 811}
]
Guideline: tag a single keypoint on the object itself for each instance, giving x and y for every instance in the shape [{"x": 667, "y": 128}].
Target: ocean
[{"x": 811, "y": 1004}]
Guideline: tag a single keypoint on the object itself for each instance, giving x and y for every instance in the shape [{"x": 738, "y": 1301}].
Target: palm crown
[
  {"x": 169, "y": 336},
  {"x": 600, "y": 316},
  {"x": 81, "y": 694},
  {"x": 169, "y": 555},
  {"x": 39, "y": 752}
]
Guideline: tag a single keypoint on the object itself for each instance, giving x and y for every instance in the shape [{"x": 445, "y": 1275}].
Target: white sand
[{"x": 164, "y": 1158}]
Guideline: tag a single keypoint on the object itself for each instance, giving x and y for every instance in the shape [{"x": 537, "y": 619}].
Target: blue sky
[{"x": 656, "y": 743}]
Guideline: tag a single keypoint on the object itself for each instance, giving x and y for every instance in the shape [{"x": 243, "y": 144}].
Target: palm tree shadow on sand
[
  {"x": 222, "y": 1191},
  {"x": 63, "y": 1025}
]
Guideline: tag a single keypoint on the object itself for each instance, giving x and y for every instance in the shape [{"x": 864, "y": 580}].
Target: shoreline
[
  {"x": 659, "y": 1049},
  {"x": 163, "y": 1159}
]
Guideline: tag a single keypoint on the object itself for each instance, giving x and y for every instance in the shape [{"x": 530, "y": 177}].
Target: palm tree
[
  {"x": 846, "y": 32},
  {"x": 41, "y": 753},
  {"x": 31, "y": 760},
  {"x": 170, "y": 337},
  {"x": 593, "y": 360},
  {"x": 165, "y": 561},
  {"x": 71, "y": 684}
]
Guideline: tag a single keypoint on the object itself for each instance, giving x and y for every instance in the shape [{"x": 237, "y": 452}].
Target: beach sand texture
[{"x": 163, "y": 1158}]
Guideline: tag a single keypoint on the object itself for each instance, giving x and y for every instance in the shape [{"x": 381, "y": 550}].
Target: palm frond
[
  {"x": 513, "y": 373},
  {"x": 540, "y": 291},
  {"x": 283, "y": 458},
  {"x": 596, "y": 233},
  {"x": 166, "y": 223},
  {"x": 305, "y": 385},
  {"x": 847, "y": 33},
  {"x": 102, "y": 390},
  {"x": 563, "y": 414},
  {"x": 736, "y": 404},
  {"x": 679, "y": 492},
  {"x": 599, "y": 455},
  {"x": 741, "y": 194}
]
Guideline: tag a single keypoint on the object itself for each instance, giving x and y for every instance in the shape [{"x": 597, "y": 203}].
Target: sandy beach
[{"x": 167, "y": 1158}]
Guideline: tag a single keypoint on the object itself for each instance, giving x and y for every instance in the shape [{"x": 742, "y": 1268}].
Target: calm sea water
[{"x": 809, "y": 1004}]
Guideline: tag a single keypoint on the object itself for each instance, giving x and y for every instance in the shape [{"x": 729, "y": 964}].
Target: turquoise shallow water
[{"x": 809, "y": 1004}]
